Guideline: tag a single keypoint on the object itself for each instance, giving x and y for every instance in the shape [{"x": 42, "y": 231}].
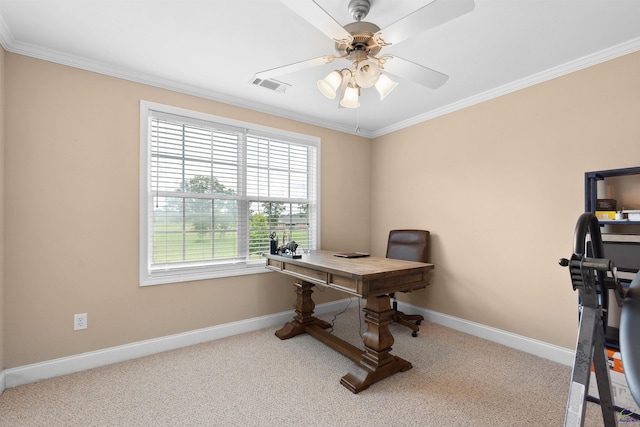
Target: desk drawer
[
  {"x": 344, "y": 283},
  {"x": 399, "y": 283},
  {"x": 273, "y": 264},
  {"x": 305, "y": 273}
]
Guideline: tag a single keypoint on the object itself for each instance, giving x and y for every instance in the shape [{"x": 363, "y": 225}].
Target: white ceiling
[{"x": 212, "y": 49}]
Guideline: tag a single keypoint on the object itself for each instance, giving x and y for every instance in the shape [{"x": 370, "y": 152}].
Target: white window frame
[{"x": 174, "y": 274}]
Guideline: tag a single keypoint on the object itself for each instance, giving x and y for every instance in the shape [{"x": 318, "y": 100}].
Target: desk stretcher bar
[{"x": 370, "y": 278}]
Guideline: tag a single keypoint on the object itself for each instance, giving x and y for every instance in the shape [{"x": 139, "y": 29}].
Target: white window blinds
[{"x": 213, "y": 190}]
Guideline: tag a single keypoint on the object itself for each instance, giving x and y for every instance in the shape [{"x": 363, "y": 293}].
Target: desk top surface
[{"x": 363, "y": 268}]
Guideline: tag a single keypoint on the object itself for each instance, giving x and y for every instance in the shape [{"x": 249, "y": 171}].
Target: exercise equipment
[
  {"x": 630, "y": 337},
  {"x": 593, "y": 277}
]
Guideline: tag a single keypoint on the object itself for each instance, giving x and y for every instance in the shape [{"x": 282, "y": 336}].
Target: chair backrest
[{"x": 409, "y": 245}]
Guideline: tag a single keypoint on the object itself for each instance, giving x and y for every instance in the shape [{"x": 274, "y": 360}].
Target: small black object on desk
[{"x": 289, "y": 250}]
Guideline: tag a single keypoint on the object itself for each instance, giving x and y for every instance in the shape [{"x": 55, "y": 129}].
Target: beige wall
[
  {"x": 71, "y": 215},
  {"x": 501, "y": 185},
  {"x": 2, "y": 311}
]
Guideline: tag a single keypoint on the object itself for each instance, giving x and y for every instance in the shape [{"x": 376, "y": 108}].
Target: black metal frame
[{"x": 589, "y": 276}]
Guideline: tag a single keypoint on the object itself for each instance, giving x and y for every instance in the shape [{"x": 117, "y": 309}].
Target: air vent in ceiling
[{"x": 271, "y": 84}]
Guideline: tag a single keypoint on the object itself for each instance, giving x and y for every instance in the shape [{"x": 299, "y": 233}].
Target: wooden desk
[{"x": 370, "y": 278}]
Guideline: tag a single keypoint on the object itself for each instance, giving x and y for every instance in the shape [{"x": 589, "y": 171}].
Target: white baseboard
[
  {"x": 94, "y": 359},
  {"x": 67, "y": 365},
  {"x": 3, "y": 381},
  {"x": 528, "y": 345}
]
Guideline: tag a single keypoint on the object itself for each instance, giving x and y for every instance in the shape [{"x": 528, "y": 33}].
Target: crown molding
[
  {"x": 11, "y": 45},
  {"x": 33, "y": 51},
  {"x": 552, "y": 73}
]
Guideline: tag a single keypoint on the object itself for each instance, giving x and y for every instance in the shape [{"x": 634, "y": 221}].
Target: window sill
[{"x": 190, "y": 275}]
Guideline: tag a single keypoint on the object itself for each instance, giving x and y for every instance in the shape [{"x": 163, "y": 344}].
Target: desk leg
[
  {"x": 304, "y": 306},
  {"x": 376, "y": 363}
]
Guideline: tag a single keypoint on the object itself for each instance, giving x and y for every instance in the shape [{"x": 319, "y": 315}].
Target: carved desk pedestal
[{"x": 370, "y": 278}]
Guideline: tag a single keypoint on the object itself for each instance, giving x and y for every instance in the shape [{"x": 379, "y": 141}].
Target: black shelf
[
  {"x": 590, "y": 188},
  {"x": 619, "y": 222}
]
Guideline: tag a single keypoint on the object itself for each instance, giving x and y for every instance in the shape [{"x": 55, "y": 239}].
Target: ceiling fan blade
[
  {"x": 318, "y": 17},
  {"x": 417, "y": 73},
  {"x": 296, "y": 66},
  {"x": 427, "y": 17}
]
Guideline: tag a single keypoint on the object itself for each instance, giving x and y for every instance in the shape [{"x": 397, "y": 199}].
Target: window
[{"x": 212, "y": 190}]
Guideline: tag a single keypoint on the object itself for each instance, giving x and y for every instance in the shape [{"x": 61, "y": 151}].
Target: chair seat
[{"x": 408, "y": 245}]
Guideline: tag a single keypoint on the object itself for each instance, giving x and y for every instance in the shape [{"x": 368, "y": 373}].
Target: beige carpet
[{"x": 255, "y": 379}]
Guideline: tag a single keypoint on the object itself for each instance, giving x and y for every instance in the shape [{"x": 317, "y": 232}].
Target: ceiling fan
[{"x": 361, "y": 42}]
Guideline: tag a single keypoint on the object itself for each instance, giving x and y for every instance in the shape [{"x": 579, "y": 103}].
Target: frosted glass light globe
[{"x": 367, "y": 73}]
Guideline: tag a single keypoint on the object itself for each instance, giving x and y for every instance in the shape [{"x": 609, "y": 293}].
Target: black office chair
[{"x": 409, "y": 245}]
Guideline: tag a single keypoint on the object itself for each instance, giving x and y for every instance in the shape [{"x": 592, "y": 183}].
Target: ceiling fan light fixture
[
  {"x": 350, "y": 98},
  {"x": 367, "y": 73},
  {"x": 384, "y": 86},
  {"x": 360, "y": 42},
  {"x": 330, "y": 84}
]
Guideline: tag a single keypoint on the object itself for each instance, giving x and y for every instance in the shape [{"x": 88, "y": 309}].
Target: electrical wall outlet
[{"x": 79, "y": 321}]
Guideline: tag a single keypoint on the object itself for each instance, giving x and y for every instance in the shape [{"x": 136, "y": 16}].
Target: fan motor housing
[{"x": 363, "y": 39}]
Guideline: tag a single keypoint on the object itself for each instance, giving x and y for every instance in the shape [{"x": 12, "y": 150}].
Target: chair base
[{"x": 411, "y": 321}]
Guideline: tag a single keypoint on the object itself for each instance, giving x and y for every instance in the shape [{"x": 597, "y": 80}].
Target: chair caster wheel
[
  {"x": 418, "y": 322},
  {"x": 414, "y": 334}
]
